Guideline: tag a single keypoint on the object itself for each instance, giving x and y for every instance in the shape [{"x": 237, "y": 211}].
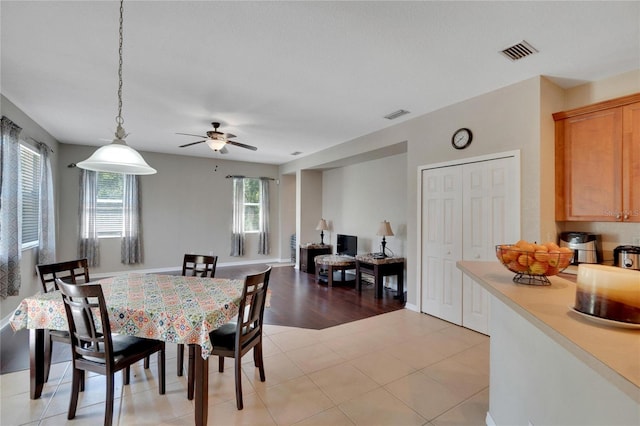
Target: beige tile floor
[{"x": 400, "y": 368}]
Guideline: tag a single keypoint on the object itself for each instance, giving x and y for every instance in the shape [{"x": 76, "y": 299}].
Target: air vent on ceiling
[
  {"x": 519, "y": 51},
  {"x": 396, "y": 114},
  {"x": 296, "y": 153}
]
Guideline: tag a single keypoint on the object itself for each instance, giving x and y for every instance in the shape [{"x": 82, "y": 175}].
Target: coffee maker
[{"x": 587, "y": 247}]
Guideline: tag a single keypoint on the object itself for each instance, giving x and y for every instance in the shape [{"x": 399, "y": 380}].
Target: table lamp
[
  {"x": 322, "y": 226},
  {"x": 385, "y": 231}
]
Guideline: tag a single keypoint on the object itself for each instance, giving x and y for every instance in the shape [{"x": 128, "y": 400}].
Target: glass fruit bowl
[{"x": 533, "y": 263}]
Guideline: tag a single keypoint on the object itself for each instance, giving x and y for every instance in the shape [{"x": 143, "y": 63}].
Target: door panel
[
  {"x": 467, "y": 209},
  {"x": 441, "y": 244}
]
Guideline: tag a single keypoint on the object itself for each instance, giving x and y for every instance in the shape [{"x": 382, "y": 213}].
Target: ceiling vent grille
[
  {"x": 396, "y": 114},
  {"x": 519, "y": 51}
]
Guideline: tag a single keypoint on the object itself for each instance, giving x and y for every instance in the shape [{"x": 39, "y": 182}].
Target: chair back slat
[
  {"x": 252, "y": 304},
  {"x": 83, "y": 303},
  {"x": 198, "y": 265},
  {"x": 72, "y": 271}
]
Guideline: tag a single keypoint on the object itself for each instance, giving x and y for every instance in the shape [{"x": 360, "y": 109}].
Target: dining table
[{"x": 172, "y": 308}]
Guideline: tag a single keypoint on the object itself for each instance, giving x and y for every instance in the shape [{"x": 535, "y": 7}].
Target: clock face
[{"x": 461, "y": 138}]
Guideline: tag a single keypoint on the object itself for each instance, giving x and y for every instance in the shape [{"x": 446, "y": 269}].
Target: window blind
[
  {"x": 109, "y": 213},
  {"x": 30, "y": 188}
]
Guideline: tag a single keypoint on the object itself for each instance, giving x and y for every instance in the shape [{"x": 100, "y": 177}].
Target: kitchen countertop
[{"x": 612, "y": 352}]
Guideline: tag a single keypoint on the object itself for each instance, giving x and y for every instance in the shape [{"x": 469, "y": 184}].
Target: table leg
[
  {"x": 36, "y": 361},
  {"x": 202, "y": 388},
  {"x": 400, "y": 293},
  {"x": 330, "y": 277},
  {"x": 379, "y": 278}
]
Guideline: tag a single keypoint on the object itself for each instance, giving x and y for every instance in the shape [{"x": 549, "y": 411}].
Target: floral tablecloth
[{"x": 172, "y": 308}]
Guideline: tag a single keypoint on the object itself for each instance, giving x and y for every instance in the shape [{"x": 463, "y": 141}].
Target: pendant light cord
[{"x": 119, "y": 119}]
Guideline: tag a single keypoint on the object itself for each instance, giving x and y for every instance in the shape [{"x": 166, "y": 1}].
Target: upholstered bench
[{"x": 331, "y": 263}]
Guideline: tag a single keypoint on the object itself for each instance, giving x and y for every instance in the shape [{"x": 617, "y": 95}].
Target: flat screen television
[{"x": 347, "y": 244}]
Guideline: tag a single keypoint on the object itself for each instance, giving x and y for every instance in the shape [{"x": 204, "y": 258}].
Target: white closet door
[
  {"x": 490, "y": 209},
  {"x": 442, "y": 243}
]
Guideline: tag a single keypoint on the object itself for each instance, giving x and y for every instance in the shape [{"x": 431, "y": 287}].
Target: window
[
  {"x": 251, "y": 205},
  {"x": 109, "y": 212},
  {"x": 30, "y": 189}
]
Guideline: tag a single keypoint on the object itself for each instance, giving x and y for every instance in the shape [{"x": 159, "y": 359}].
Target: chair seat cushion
[
  {"x": 124, "y": 346},
  {"x": 224, "y": 336}
]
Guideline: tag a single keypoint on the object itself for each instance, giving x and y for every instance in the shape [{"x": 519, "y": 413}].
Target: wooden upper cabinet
[{"x": 598, "y": 162}]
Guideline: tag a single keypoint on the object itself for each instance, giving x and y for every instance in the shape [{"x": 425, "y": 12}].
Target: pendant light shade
[{"x": 118, "y": 157}]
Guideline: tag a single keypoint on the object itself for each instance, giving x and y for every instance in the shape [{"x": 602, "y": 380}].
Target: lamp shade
[
  {"x": 215, "y": 144},
  {"x": 385, "y": 229},
  {"x": 117, "y": 157},
  {"x": 322, "y": 225}
]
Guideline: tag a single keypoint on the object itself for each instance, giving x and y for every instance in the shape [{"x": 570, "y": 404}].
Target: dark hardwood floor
[{"x": 296, "y": 301}]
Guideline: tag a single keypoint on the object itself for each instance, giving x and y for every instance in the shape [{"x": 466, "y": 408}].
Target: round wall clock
[{"x": 461, "y": 138}]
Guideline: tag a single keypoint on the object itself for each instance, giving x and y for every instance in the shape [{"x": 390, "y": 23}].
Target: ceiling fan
[{"x": 216, "y": 140}]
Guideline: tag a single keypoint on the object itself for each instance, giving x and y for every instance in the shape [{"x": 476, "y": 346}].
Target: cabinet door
[
  {"x": 490, "y": 209},
  {"x": 442, "y": 243},
  {"x": 631, "y": 163},
  {"x": 590, "y": 181}
]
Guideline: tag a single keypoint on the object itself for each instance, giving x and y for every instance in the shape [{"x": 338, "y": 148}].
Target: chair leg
[
  {"x": 257, "y": 356},
  {"x": 48, "y": 349},
  {"x": 108, "y": 412},
  {"x": 220, "y": 364},
  {"x": 147, "y": 361},
  {"x": 161, "y": 372},
  {"x": 191, "y": 369},
  {"x": 82, "y": 380},
  {"x": 238, "y": 371},
  {"x": 75, "y": 390},
  {"x": 180, "y": 358},
  {"x": 126, "y": 374}
]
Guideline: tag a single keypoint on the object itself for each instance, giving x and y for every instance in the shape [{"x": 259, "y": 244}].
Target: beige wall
[
  {"x": 516, "y": 117},
  {"x": 186, "y": 208},
  {"x": 358, "y": 197}
]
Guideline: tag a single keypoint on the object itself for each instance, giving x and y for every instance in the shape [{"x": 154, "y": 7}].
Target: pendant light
[{"x": 118, "y": 157}]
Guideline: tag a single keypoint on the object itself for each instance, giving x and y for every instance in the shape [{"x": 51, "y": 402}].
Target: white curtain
[
  {"x": 131, "y": 242},
  {"x": 263, "y": 244},
  {"x": 88, "y": 243},
  {"x": 10, "y": 220},
  {"x": 47, "y": 235},
  {"x": 237, "y": 232}
]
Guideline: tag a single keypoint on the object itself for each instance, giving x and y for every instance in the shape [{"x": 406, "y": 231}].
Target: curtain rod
[
  {"x": 42, "y": 144},
  {"x": 249, "y": 177}
]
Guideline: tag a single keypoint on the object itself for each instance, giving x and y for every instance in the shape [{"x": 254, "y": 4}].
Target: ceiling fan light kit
[
  {"x": 118, "y": 157},
  {"x": 216, "y": 140}
]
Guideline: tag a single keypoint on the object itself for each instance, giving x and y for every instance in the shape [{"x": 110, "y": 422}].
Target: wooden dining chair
[
  {"x": 73, "y": 272},
  {"x": 195, "y": 265},
  {"x": 100, "y": 351},
  {"x": 235, "y": 339}
]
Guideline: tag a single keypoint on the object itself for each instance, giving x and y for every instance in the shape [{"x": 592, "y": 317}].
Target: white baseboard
[{"x": 489, "y": 420}]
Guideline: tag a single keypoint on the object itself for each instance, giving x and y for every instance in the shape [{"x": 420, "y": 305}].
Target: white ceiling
[{"x": 288, "y": 76}]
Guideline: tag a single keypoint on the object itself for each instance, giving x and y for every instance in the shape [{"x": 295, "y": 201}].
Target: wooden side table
[
  {"x": 380, "y": 268},
  {"x": 308, "y": 253}
]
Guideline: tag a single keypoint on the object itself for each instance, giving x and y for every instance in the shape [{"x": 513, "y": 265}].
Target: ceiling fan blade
[
  {"x": 223, "y": 150},
  {"x": 229, "y": 135},
  {"x": 242, "y": 145},
  {"x": 189, "y": 144},
  {"x": 189, "y": 134}
]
